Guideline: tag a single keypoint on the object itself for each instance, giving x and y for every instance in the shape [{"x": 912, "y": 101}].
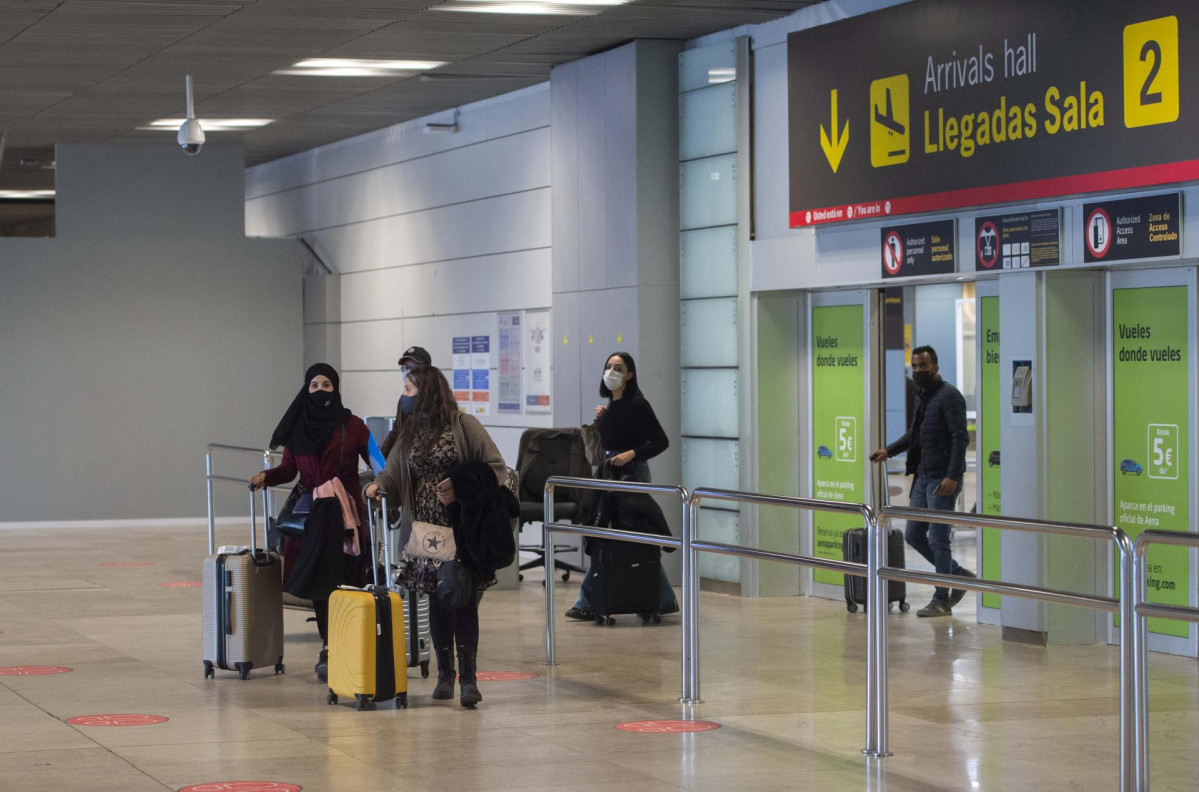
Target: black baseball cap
[{"x": 416, "y": 355}]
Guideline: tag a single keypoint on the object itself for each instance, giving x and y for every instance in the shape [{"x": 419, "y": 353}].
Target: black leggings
[
  {"x": 447, "y": 625},
  {"x": 321, "y": 607}
]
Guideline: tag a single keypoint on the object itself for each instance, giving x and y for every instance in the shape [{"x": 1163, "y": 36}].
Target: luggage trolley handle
[
  {"x": 266, "y": 546},
  {"x": 370, "y": 521}
]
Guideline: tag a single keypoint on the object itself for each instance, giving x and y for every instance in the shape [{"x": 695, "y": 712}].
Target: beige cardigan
[{"x": 474, "y": 445}]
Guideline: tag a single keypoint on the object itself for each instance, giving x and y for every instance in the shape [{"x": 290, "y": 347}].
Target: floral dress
[{"x": 431, "y": 459}]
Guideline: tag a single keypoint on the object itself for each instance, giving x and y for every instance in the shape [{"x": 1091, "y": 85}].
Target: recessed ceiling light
[
  {"x": 562, "y": 7},
  {"x": 356, "y": 67},
  {"x": 209, "y": 124},
  {"x": 25, "y": 195}
]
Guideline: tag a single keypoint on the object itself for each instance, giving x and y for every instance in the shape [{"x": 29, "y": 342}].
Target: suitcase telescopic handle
[
  {"x": 253, "y": 520},
  {"x": 370, "y": 525}
]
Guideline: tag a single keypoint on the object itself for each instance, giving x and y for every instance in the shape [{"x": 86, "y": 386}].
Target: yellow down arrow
[{"x": 834, "y": 148}]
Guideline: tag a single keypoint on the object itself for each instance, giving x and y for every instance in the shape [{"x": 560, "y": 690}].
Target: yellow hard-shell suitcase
[
  {"x": 367, "y": 655},
  {"x": 368, "y": 658}
]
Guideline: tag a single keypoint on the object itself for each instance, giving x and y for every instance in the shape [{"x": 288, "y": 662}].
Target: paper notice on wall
[
  {"x": 480, "y": 375},
  {"x": 510, "y": 374},
  {"x": 461, "y": 371},
  {"x": 537, "y": 362}
]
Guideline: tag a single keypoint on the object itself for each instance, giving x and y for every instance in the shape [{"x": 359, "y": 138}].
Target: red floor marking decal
[
  {"x": 243, "y": 786},
  {"x": 182, "y": 584},
  {"x": 667, "y": 726},
  {"x": 32, "y": 670},
  {"x": 116, "y": 720},
  {"x": 503, "y": 676},
  {"x": 124, "y": 564}
]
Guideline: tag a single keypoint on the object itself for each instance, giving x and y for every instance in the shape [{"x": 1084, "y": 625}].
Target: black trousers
[{"x": 446, "y": 626}]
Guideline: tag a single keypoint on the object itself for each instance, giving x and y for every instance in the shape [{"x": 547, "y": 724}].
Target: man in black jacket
[{"x": 936, "y": 446}]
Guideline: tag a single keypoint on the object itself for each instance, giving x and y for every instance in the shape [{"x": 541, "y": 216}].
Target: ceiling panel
[{"x": 92, "y": 70}]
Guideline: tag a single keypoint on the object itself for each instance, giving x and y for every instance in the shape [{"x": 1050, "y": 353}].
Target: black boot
[
  {"x": 466, "y": 664},
  {"x": 445, "y": 674}
]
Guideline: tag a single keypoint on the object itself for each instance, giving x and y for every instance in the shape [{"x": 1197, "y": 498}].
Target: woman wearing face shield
[
  {"x": 322, "y": 440},
  {"x": 630, "y": 435}
]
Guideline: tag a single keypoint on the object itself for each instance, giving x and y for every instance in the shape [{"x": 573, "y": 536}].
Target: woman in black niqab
[{"x": 312, "y": 416}]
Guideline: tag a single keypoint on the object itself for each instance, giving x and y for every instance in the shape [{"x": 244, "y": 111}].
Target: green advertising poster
[
  {"x": 838, "y": 425},
  {"x": 1151, "y": 392},
  {"x": 988, "y": 442}
]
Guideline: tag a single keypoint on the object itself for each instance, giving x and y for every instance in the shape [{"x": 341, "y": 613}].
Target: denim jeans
[
  {"x": 666, "y": 599},
  {"x": 933, "y": 540}
]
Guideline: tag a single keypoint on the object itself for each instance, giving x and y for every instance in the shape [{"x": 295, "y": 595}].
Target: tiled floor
[{"x": 783, "y": 678}]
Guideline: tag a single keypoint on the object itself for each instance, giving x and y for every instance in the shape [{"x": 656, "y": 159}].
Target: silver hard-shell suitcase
[
  {"x": 243, "y": 608},
  {"x": 416, "y": 605}
]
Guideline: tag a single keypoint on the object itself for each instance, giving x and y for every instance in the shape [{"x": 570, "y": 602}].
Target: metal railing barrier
[
  {"x": 691, "y": 595},
  {"x": 1144, "y": 609},
  {"x": 1132, "y": 702},
  {"x": 549, "y": 527},
  {"x": 266, "y": 455}
]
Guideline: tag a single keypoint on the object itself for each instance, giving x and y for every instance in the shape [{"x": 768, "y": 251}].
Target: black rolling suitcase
[
  {"x": 853, "y": 548},
  {"x": 626, "y": 578}
]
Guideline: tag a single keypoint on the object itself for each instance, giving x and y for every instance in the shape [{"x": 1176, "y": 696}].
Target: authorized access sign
[
  {"x": 1018, "y": 241},
  {"x": 919, "y": 249},
  {"x": 1136, "y": 228},
  {"x": 938, "y": 104}
]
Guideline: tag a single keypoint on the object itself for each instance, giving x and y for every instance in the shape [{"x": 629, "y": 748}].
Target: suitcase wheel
[
  {"x": 402, "y": 700},
  {"x": 279, "y": 667},
  {"x": 331, "y": 698},
  {"x": 608, "y": 620},
  {"x": 852, "y": 607},
  {"x": 566, "y": 576},
  {"x": 651, "y": 618},
  {"x": 904, "y": 606},
  {"x": 362, "y": 701},
  {"x": 520, "y": 576},
  {"x": 424, "y": 672},
  {"x": 209, "y": 671},
  {"x": 243, "y": 670}
]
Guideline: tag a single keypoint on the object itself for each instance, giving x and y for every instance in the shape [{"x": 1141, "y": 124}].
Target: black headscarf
[{"x": 310, "y": 420}]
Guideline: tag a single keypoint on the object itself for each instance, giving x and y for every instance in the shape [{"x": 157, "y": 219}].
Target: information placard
[
  {"x": 510, "y": 374},
  {"x": 1018, "y": 241},
  {"x": 1150, "y": 396},
  {"x": 938, "y": 104},
  {"x": 1148, "y": 227},
  {"x": 919, "y": 249},
  {"x": 838, "y": 425}
]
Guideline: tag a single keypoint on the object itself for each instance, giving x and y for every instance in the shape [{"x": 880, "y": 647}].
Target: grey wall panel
[
  {"x": 322, "y": 298},
  {"x": 567, "y": 344},
  {"x": 622, "y": 149},
  {"x": 510, "y": 281},
  {"x": 592, "y": 195},
  {"x": 469, "y": 173},
  {"x": 565, "y": 175},
  {"x": 125, "y": 354},
  {"x": 509, "y": 114},
  {"x": 494, "y": 225},
  {"x": 322, "y": 344}
]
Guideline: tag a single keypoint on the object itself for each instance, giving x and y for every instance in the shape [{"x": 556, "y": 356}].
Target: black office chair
[{"x": 544, "y": 453}]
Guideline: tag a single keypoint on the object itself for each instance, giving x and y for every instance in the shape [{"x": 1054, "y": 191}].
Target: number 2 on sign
[{"x": 1151, "y": 72}]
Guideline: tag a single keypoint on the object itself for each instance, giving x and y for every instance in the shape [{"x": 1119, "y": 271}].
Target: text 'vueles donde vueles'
[{"x": 833, "y": 359}]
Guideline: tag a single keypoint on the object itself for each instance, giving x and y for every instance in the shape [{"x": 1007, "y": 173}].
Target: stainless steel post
[
  {"x": 872, "y": 613},
  {"x": 548, "y": 539},
  {"x": 211, "y": 516},
  {"x": 1128, "y": 682},
  {"x": 1140, "y": 668},
  {"x": 689, "y": 609},
  {"x": 883, "y": 743}
]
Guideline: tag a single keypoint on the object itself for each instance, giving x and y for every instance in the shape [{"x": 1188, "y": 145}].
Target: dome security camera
[
  {"x": 191, "y": 137},
  {"x": 191, "y": 134}
]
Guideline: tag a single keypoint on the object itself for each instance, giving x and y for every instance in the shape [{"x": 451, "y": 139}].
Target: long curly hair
[{"x": 435, "y": 406}]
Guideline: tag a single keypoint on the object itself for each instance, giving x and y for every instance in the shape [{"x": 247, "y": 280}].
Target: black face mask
[
  {"x": 322, "y": 399},
  {"x": 923, "y": 379},
  {"x": 407, "y": 404}
]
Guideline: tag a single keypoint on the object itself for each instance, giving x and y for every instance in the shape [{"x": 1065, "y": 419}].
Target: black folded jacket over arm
[{"x": 481, "y": 516}]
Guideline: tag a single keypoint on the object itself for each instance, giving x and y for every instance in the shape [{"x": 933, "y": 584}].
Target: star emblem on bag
[{"x": 433, "y": 542}]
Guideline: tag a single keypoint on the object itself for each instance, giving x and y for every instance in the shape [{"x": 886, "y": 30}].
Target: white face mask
[{"x": 613, "y": 379}]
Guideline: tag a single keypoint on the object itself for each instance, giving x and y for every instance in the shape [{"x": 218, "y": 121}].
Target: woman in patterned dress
[{"x": 433, "y": 437}]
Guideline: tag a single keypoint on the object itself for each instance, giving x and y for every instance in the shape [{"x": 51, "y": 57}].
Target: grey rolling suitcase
[
  {"x": 243, "y": 609},
  {"x": 416, "y": 605}
]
